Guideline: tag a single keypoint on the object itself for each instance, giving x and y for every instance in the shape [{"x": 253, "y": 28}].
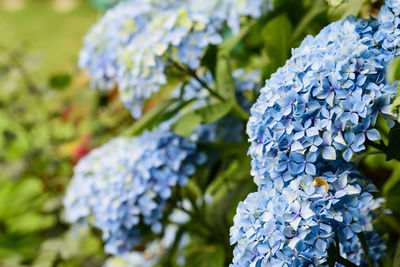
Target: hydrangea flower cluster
[
  {"x": 123, "y": 186},
  {"x": 134, "y": 42},
  {"x": 312, "y": 115},
  {"x": 326, "y": 100},
  {"x": 293, "y": 225}
]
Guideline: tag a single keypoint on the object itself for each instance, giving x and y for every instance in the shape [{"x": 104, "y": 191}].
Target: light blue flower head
[
  {"x": 324, "y": 102},
  {"x": 136, "y": 41},
  {"x": 294, "y": 225},
  {"x": 123, "y": 186}
]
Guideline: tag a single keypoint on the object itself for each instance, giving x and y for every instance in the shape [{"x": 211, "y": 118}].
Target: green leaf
[
  {"x": 223, "y": 177},
  {"x": 316, "y": 10},
  {"x": 170, "y": 113},
  {"x": 230, "y": 43},
  {"x": 214, "y": 112},
  {"x": 335, "y": 2},
  {"x": 224, "y": 80},
  {"x": 276, "y": 35},
  {"x": 392, "y": 181},
  {"x": 210, "y": 58},
  {"x": 396, "y": 259},
  {"x": 391, "y": 190},
  {"x": 345, "y": 9},
  {"x": 232, "y": 185},
  {"x": 60, "y": 81},
  {"x": 209, "y": 114},
  {"x": 186, "y": 124},
  {"x": 393, "y": 73},
  {"x": 201, "y": 255},
  {"x": 393, "y": 151},
  {"x": 149, "y": 117}
]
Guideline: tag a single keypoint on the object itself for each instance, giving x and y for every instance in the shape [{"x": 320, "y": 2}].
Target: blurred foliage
[{"x": 48, "y": 120}]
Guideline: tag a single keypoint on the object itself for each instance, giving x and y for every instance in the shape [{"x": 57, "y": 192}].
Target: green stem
[
  {"x": 236, "y": 109},
  {"x": 239, "y": 112},
  {"x": 381, "y": 146}
]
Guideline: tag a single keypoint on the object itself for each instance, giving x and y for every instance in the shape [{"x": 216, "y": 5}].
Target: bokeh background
[{"x": 48, "y": 120}]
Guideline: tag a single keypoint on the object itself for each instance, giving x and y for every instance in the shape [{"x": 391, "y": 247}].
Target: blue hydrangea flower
[
  {"x": 293, "y": 225},
  {"x": 123, "y": 186},
  {"x": 324, "y": 101},
  {"x": 135, "y": 50}
]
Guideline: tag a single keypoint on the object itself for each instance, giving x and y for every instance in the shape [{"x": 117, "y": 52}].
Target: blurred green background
[{"x": 48, "y": 120}]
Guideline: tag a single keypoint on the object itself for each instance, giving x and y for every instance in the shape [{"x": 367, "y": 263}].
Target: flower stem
[
  {"x": 236, "y": 109},
  {"x": 381, "y": 146}
]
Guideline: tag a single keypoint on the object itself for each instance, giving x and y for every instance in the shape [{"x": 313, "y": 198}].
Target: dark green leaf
[
  {"x": 201, "y": 255},
  {"x": 393, "y": 151},
  {"x": 391, "y": 190},
  {"x": 392, "y": 181},
  {"x": 316, "y": 10},
  {"x": 60, "y": 81},
  {"x": 396, "y": 259},
  {"x": 230, "y": 43},
  {"x": 224, "y": 81},
  {"x": 223, "y": 177},
  {"x": 210, "y": 59},
  {"x": 276, "y": 35}
]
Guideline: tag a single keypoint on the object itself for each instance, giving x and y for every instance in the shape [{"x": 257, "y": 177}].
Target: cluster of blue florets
[
  {"x": 123, "y": 186},
  {"x": 312, "y": 116},
  {"x": 326, "y": 100},
  {"x": 134, "y": 43},
  {"x": 294, "y": 224}
]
